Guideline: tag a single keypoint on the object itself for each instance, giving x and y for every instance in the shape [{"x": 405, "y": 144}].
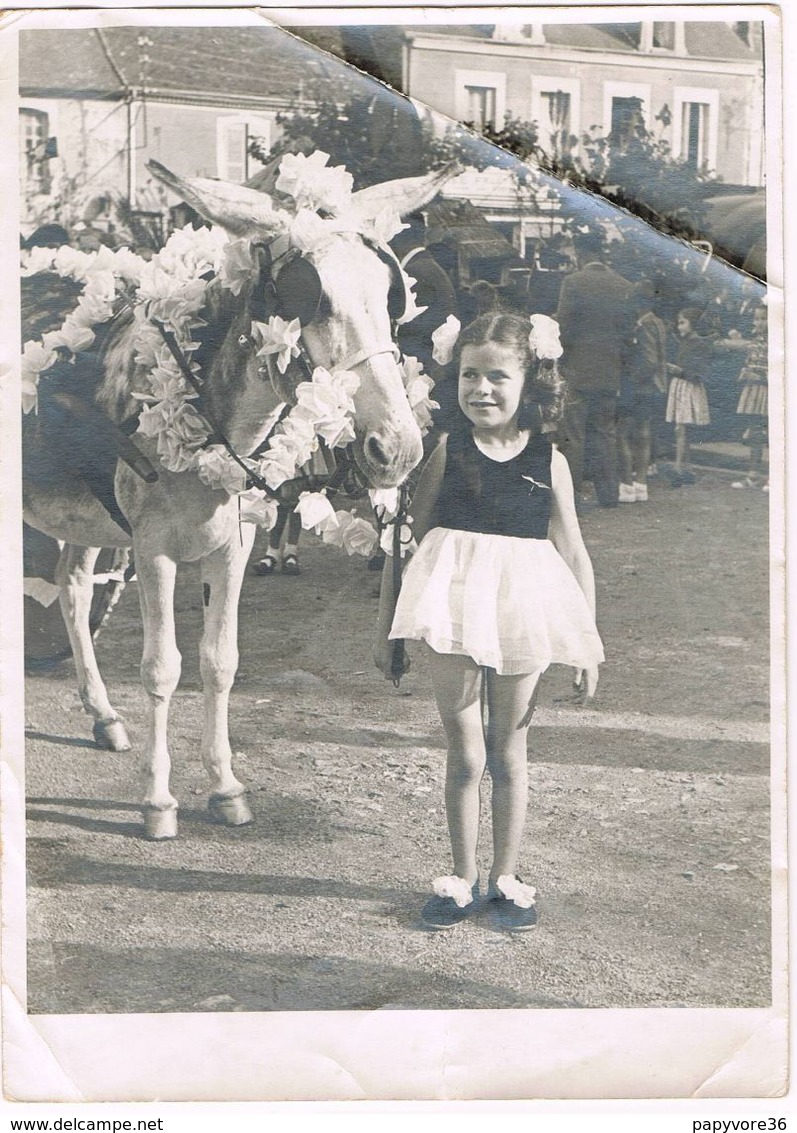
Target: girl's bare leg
[
  {"x": 756, "y": 442},
  {"x": 642, "y": 450},
  {"x": 681, "y": 452},
  {"x": 275, "y": 534},
  {"x": 625, "y": 449},
  {"x": 458, "y": 683},
  {"x": 511, "y": 703}
]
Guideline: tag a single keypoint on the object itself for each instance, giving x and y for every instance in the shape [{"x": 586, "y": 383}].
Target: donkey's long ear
[
  {"x": 405, "y": 195},
  {"x": 236, "y": 208}
]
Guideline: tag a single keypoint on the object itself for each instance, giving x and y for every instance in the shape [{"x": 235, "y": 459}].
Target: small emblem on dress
[{"x": 536, "y": 483}]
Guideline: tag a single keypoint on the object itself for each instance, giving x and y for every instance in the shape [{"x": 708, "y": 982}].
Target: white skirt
[{"x": 508, "y": 603}]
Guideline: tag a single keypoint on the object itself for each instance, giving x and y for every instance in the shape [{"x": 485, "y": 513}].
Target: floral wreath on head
[{"x": 170, "y": 288}]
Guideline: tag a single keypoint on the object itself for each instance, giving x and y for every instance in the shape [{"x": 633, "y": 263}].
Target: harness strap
[{"x": 398, "y": 659}]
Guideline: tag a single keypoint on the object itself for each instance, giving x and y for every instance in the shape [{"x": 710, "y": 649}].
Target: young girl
[
  {"x": 501, "y": 586},
  {"x": 687, "y": 401},
  {"x": 754, "y": 401}
]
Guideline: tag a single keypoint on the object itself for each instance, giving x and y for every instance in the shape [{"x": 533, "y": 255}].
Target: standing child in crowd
[
  {"x": 289, "y": 524},
  {"x": 501, "y": 586},
  {"x": 644, "y": 376},
  {"x": 687, "y": 400},
  {"x": 754, "y": 402},
  {"x": 283, "y": 538}
]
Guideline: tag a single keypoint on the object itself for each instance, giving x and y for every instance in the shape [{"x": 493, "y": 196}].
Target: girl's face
[
  {"x": 683, "y": 325},
  {"x": 759, "y": 321},
  {"x": 491, "y": 383}
]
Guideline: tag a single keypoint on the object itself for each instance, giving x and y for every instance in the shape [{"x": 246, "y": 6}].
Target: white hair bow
[{"x": 544, "y": 337}]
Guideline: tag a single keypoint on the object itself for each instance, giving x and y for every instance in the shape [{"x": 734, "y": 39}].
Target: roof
[
  {"x": 705, "y": 40},
  {"x": 717, "y": 41},
  {"x": 253, "y": 62},
  {"x": 225, "y": 62}
]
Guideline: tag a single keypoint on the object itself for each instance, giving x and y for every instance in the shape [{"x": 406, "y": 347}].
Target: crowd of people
[{"x": 650, "y": 367}]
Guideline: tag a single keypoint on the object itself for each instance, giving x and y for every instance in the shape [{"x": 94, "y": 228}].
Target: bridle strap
[
  {"x": 366, "y": 356},
  {"x": 193, "y": 381},
  {"x": 413, "y": 252}
]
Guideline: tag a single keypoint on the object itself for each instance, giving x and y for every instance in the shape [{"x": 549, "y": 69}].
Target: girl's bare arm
[
  {"x": 564, "y": 530},
  {"x": 565, "y": 534}
]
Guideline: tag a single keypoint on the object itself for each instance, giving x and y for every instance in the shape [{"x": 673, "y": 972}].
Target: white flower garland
[{"x": 171, "y": 288}]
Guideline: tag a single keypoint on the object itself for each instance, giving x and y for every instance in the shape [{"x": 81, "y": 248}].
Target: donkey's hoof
[
  {"x": 160, "y": 825},
  {"x": 111, "y": 735},
  {"x": 231, "y": 811}
]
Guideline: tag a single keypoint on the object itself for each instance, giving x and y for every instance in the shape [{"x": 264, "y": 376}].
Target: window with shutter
[
  {"x": 34, "y": 150},
  {"x": 233, "y": 135}
]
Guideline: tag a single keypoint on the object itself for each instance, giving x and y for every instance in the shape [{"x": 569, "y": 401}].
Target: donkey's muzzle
[{"x": 390, "y": 455}]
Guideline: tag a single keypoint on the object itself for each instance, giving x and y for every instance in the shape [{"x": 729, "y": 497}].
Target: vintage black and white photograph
[{"x": 394, "y": 530}]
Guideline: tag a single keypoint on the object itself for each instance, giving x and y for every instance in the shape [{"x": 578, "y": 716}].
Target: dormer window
[
  {"x": 516, "y": 33},
  {"x": 663, "y": 36}
]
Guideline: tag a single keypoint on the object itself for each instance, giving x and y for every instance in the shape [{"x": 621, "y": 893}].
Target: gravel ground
[{"x": 648, "y": 833}]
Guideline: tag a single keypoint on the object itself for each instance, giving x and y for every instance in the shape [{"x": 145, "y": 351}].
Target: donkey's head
[{"x": 330, "y": 270}]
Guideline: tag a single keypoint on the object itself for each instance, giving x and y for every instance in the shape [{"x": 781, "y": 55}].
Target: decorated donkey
[{"x": 207, "y": 376}]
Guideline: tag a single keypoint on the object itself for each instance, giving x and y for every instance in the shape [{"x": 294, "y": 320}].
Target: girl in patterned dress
[
  {"x": 500, "y": 587},
  {"x": 754, "y": 401},
  {"x": 687, "y": 401}
]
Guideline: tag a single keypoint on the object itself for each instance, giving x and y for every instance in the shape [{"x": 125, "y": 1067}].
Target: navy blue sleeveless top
[{"x": 511, "y": 497}]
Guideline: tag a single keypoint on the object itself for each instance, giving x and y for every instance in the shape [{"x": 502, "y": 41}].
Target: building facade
[
  {"x": 96, "y": 104},
  {"x": 698, "y": 87}
]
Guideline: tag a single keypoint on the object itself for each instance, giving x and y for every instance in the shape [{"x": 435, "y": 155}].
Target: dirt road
[{"x": 648, "y": 834}]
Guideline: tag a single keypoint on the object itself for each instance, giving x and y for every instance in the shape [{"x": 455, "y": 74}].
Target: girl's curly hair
[{"x": 543, "y": 393}]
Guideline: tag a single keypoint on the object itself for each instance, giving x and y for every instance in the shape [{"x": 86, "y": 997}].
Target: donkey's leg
[
  {"x": 160, "y": 672},
  {"x": 75, "y": 577},
  {"x": 222, "y": 574}
]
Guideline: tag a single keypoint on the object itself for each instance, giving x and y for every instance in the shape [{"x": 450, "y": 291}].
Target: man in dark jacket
[{"x": 595, "y": 319}]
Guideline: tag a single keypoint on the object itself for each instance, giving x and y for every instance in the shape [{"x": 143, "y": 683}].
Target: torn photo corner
[{"x": 193, "y": 189}]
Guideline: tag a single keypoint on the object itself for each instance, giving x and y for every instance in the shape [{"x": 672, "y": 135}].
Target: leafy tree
[
  {"x": 379, "y": 136},
  {"x": 638, "y": 172}
]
